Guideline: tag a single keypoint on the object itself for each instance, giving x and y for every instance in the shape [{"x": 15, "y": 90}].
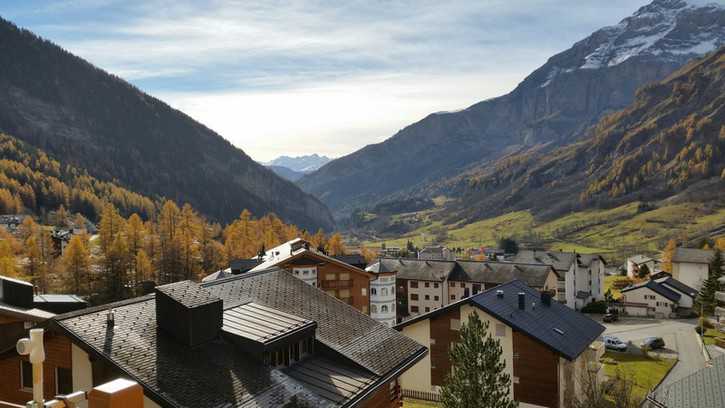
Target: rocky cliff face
[
  {"x": 90, "y": 119},
  {"x": 552, "y": 106}
]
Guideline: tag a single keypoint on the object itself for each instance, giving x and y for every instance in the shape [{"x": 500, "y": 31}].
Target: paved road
[{"x": 680, "y": 339}]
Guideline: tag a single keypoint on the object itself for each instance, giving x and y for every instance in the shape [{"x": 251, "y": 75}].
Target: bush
[{"x": 595, "y": 307}]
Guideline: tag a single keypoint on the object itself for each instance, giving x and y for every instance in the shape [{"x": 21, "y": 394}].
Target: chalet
[
  {"x": 691, "y": 266},
  {"x": 650, "y": 299},
  {"x": 581, "y": 276},
  {"x": 426, "y": 285},
  {"x": 436, "y": 253},
  {"x": 339, "y": 279},
  {"x": 259, "y": 339},
  {"x": 19, "y": 312},
  {"x": 547, "y": 347}
]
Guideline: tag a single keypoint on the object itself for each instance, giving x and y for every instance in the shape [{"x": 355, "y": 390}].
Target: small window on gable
[
  {"x": 455, "y": 324},
  {"x": 344, "y": 276},
  {"x": 331, "y": 276},
  {"x": 414, "y": 284},
  {"x": 500, "y": 330},
  {"x": 364, "y": 291}
]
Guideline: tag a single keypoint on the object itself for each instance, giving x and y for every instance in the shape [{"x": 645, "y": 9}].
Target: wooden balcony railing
[{"x": 337, "y": 284}]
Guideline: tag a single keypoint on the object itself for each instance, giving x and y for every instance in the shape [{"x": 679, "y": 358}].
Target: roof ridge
[{"x": 105, "y": 306}]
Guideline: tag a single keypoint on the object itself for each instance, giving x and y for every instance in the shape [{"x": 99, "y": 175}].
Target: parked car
[
  {"x": 653, "y": 343},
  {"x": 610, "y": 317},
  {"x": 614, "y": 343}
]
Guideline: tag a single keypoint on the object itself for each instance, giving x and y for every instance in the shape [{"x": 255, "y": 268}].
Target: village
[{"x": 375, "y": 326}]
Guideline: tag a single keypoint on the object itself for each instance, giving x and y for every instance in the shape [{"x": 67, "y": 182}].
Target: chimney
[
  {"x": 188, "y": 312},
  {"x": 546, "y": 298},
  {"x": 499, "y": 294},
  {"x": 522, "y": 301}
]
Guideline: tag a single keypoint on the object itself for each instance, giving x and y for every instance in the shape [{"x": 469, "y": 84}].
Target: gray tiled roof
[
  {"x": 419, "y": 269},
  {"x": 703, "y": 389},
  {"x": 187, "y": 293},
  {"x": 500, "y": 272},
  {"x": 564, "y": 330},
  {"x": 217, "y": 374},
  {"x": 657, "y": 288},
  {"x": 692, "y": 255},
  {"x": 561, "y": 261}
]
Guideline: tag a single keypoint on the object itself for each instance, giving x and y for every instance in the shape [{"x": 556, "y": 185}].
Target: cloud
[{"x": 318, "y": 76}]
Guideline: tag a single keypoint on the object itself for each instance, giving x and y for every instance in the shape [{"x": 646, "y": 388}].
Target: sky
[{"x": 328, "y": 77}]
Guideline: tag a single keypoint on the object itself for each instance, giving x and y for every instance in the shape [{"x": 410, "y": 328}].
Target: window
[
  {"x": 364, "y": 291},
  {"x": 305, "y": 272},
  {"x": 436, "y": 298},
  {"x": 455, "y": 324},
  {"x": 435, "y": 285},
  {"x": 427, "y": 297},
  {"x": 345, "y": 276},
  {"x": 344, "y": 293},
  {"x": 476, "y": 288},
  {"x": 414, "y": 309},
  {"x": 373, "y": 292},
  {"x": 453, "y": 297},
  {"x": 63, "y": 380},
  {"x": 365, "y": 309},
  {"x": 427, "y": 284},
  {"x": 26, "y": 375},
  {"x": 413, "y": 296},
  {"x": 331, "y": 276},
  {"x": 463, "y": 284},
  {"x": 500, "y": 330},
  {"x": 373, "y": 309},
  {"x": 384, "y": 309},
  {"x": 384, "y": 292},
  {"x": 414, "y": 284},
  {"x": 332, "y": 293},
  {"x": 427, "y": 309}
]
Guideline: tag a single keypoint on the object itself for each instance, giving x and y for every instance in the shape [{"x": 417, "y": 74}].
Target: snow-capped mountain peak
[{"x": 675, "y": 30}]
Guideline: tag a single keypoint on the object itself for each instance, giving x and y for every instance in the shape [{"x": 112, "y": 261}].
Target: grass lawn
[
  {"x": 711, "y": 335},
  {"x": 646, "y": 372},
  {"x": 412, "y": 403}
]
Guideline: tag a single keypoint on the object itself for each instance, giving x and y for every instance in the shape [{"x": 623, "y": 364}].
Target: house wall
[
  {"x": 57, "y": 354},
  {"x": 430, "y": 296},
  {"x": 383, "y": 297},
  {"x": 570, "y": 285},
  {"x": 691, "y": 274},
  {"x": 385, "y": 397},
  {"x": 535, "y": 372},
  {"x": 657, "y": 304},
  {"x": 573, "y": 374},
  {"x": 418, "y": 377}
]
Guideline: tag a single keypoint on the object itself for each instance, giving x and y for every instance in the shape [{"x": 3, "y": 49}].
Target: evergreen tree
[
  {"x": 477, "y": 378},
  {"x": 706, "y": 296}
]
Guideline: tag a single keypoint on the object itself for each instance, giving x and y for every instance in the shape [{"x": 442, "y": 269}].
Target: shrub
[{"x": 595, "y": 307}]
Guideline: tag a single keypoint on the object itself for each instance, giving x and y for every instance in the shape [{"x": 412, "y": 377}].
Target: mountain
[
  {"x": 286, "y": 173},
  {"x": 92, "y": 120},
  {"x": 669, "y": 144},
  {"x": 300, "y": 164},
  {"x": 553, "y": 106}
]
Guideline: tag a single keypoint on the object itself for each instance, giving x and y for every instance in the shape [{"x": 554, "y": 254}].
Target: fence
[{"x": 421, "y": 395}]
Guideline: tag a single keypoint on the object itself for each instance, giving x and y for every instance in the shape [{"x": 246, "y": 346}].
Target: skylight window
[{"x": 556, "y": 329}]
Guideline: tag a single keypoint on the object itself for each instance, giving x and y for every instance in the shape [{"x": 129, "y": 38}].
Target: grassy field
[
  {"x": 711, "y": 335},
  {"x": 646, "y": 372},
  {"x": 624, "y": 230}
]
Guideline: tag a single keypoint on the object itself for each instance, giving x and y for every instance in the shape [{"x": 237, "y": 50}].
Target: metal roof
[
  {"x": 657, "y": 288},
  {"x": 692, "y": 255},
  {"x": 704, "y": 388},
  {"x": 678, "y": 286},
  {"x": 262, "y": 324}
]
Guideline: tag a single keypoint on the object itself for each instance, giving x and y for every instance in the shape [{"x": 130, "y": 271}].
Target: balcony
[
  {"x": 337, "y": 284},
  {"x": 720, "y": 296}
]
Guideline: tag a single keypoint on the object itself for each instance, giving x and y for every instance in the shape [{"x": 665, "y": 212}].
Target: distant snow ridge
[{"x": 666, "y": 29}]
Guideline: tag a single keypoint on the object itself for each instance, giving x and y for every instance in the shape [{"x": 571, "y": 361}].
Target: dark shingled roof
[
  {"x": 418, "y": 269},
  {"x": 561, "y": 261},
  {"x": 657, "y": 288},
  {"x": 500, "y": 272},
  {"x": 217, "y": 374},
  {"x": 188, "y": 293},
  {"x": 678, "y": 286},
  {"x": 557, "y": 326},
  {"x": 352, "y": 259},
  {"x": 704, "y": 388},
  {"x": 244, "y": 264}
]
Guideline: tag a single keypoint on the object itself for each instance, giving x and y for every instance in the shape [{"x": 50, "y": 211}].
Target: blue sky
[{"x": 302, "y": 77}]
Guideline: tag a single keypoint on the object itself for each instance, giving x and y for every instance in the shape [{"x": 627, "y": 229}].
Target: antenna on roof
[{"x": 110, "y": 318}]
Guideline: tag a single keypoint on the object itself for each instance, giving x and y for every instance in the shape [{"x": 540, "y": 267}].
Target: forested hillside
[
  {"x": 32, "y": 181},
  {"x": 91, "y": 120}
]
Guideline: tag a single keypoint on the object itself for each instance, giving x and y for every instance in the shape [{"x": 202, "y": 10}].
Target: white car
[{"x": 614, "y": 343}]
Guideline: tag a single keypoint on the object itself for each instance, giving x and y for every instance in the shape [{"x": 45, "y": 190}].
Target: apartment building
[
  {"x": 547, "y": 347},
  {"x": 383, "y": 299},
  {"x": 337, "y": 278},
  {"x": 426, "y": 285},
  {"x": 259, "y": 339},
  {"x": 581, "y": 276},
  {"x": 691, "y": 266}
]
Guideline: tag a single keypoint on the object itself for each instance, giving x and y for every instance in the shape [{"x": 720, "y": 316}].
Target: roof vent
[
  {"x": 188, "y": 312},
  {"x": 499, "y": 293},
  {"x": 110, "y": 318},
  {"x": 522, "y": 301},
  {"x": 559, "y": 331}
]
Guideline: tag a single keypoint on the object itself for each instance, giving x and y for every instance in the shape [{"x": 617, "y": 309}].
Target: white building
[
  {"x": 637, "y": 262},
  {"x": 654, "y": 299},
  {"x": 691, "y": 266},
  {"x": 383, "y": 298},
  {"x": 581, "y": 276}
]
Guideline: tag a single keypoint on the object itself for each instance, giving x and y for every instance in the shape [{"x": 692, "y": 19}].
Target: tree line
[{"x": 129, "y": 255}]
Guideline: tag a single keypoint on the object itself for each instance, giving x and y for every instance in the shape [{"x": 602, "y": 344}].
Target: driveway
[{"x": 679, "y": 336}]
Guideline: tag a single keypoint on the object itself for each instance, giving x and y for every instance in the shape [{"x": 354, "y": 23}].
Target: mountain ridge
[
  {"x": 88, "y": 118},
  {"x": 543, "y": 110}
]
